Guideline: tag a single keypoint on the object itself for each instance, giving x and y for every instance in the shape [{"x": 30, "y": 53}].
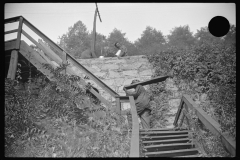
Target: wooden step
[
  {"x": 167, "y": 147},
  {"x": 168, "y": 141},
  {"x": 195, "y": 155},
  {"x": 173, "y": 153},
  {"x": 150, "y": 138},
  {"x": 157, "y": 129},
  {"x": 156, "y": 133}
]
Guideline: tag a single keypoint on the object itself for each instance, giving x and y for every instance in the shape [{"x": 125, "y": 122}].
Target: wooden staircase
[{"x": 167, "y": 143}]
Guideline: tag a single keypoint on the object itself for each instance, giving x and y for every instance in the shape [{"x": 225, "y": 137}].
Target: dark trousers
[{"x": 145, "y": 117}]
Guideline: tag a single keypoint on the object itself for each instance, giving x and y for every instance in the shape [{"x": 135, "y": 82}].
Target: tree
[
  {"x": 204, "y": 35},
  {"x": 230, "y": 37},
  {"x": 151, "y": 40},
  {"x": 76, "y": 40},
  {"x": 181, "y": 37}
]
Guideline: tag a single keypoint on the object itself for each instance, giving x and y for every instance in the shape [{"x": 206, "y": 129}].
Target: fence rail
[
  {"x": 65, "y": 55},
  {"x": 134, "y": 151},
  {"x": 187, "y": 103}
]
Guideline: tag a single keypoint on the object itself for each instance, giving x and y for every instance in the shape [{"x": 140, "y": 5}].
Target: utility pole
[{"x": 94, "y": 31}]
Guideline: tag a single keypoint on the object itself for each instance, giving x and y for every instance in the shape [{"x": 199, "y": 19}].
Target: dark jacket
[{"x": 141, "y": 98}]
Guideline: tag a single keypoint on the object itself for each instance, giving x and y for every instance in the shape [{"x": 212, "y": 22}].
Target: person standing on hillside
[
  {"x": 122, "y": 50},
  {"x": 143, "y": 104}
]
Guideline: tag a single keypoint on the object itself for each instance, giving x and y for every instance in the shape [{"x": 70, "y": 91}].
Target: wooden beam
[
  {"x": 123, "y": 98},
  {"x": 19, "y": 33},
  {"x": 181, "y": 121},
  {"x": 11, "y": 31},
  {"x": 9, "y": 45},
  {"x": 43, "y": 36},
  {"x": 147, "y": 82},
  {"x": 13, "y": 65},
  {"x": 11, "y": 20},
  {"x": 75, "y": 62},
  {"x": 134, "y": 151},
  {"x": 35, "y": 59},
  {"x": 70, "y": 70},
  {"x": 178, "y": 113}
]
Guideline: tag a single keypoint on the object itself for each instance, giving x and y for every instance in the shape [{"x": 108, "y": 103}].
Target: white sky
[{"x": 54, "y": 19}]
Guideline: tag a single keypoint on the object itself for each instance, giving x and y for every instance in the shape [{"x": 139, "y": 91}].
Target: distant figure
[
  {"x": 122, "y": 52},
  {"x": 87, "y": 54}
]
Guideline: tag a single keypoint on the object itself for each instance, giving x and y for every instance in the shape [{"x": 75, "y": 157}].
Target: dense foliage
[
  {"x": 59, "y": 120},
  {"x": 205, "y": 68}
]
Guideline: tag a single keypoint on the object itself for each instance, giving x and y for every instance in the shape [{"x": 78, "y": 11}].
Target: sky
[{"x": 54, "y": 19}]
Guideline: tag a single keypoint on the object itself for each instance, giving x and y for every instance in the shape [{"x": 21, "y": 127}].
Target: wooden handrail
[
  {"x": 60, "y": 50},
  {"x": 11, "y": 31},
  {"x": 209, "y": 123},
  {"x": 11, "y": 20},
  {"x": 68, "y": 56},
  {"x": 147, "y": 82},
  {"x": 134, "y": 151}
]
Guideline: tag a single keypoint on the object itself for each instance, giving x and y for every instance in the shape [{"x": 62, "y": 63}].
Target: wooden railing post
[
  {"x": 134, "y": 151},
  {"x": 19, "y": 33},
  {"x": 13, "y": 65},
  {"x": 118, "y": 105}
]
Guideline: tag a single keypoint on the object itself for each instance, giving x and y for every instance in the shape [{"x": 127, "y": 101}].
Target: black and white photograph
[{"x": 118, "y": 79}]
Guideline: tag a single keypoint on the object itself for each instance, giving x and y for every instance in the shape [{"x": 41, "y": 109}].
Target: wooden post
[
  {"x": 19, "y": 33},
  {"x": 65, "y": 60},
  {"x": 94, "y": 35},
  {"x": 13, "y": 65},
  {"x": 118, "y": 105}
]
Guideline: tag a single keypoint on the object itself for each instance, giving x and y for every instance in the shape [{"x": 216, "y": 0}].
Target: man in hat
[
  {"x": 143, "y": 104},
  {"x": 122, "y": 50}
]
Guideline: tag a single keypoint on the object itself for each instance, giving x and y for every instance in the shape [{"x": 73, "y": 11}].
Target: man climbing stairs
[{"x": 167, "y": 143}]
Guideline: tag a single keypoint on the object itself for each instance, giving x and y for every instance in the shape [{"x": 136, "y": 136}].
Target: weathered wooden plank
[
  {"x": 39, "y": 46},
  {"x": 76, "y": 63},
  {"x": 178, "y": 113},
  {"x": 182, "y": 140},
  {"x": 70, "y": 70},
  {"x": 157, "y": 129},
  {"x": 164, "y": 132},
  {"x": 50, "y": 53},
  {"x": 164, "y": 137},
  {"x": 36, "y": 61},
  {"x": 12, "y": 20},
  {"x": 134, "y": 151},
  {"x": 42, "y": 35},
  {"x": 9, "y": 45},
  {"x": 147, "y": 82},
  {"x": 11, "y": 31},
  {"x": 212, "y": 125},
  {"x": 13, "y": 65},
  {"x": 172, "y": 153},
  {"x": 123, "y": 98},
  {"x": 167, "y": 147},
  {"x": 19, "y": 33}
]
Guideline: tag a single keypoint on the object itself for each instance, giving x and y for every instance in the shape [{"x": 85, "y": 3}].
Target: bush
[
  {"x": 59, "y": 122},
  {"x": 204, "y": 69}
]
